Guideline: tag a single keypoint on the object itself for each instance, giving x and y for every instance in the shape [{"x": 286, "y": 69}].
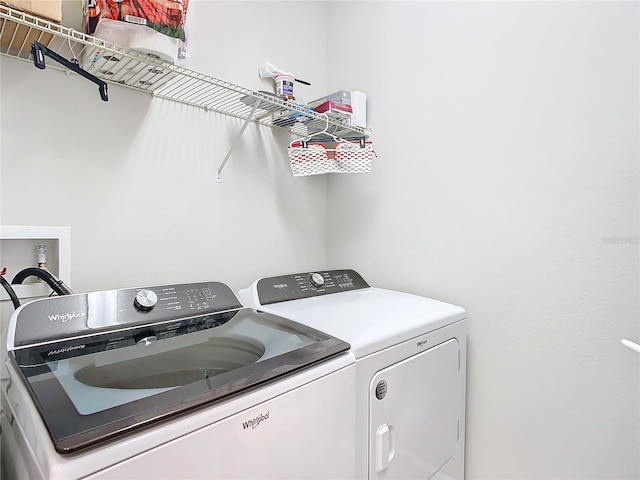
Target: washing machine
[
  {"x": 173, "y": 381},
  {"x": 410, "y": 367}
]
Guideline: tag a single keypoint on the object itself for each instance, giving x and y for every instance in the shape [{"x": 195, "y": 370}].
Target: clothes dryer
[
  {"x": 410, "y": 367},
  {"x": 173, "y": 381}
]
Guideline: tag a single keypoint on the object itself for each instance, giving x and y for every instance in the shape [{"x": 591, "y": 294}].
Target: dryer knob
[
  {"x": 317, "y": 280},
  {"x": 145, "y": 300}
]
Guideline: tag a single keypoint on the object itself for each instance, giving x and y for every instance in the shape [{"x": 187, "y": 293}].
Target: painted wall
[
  {"x": 507, "y": 182},
  {"x": 135, "y": 178}
]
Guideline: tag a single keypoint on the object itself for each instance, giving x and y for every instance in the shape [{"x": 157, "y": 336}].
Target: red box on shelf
[{"x": 335, "y": 109}]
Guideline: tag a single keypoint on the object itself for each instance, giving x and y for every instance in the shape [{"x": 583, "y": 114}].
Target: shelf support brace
[{"x": 233, "y": 145}]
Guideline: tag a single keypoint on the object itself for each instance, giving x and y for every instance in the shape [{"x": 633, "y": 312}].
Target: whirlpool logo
[
  {"x": 65, "y": 317},
  {"x": 255, "y": 421}
]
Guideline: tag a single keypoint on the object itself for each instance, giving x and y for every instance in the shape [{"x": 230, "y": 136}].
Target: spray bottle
[{"x": 283, "y": 80}]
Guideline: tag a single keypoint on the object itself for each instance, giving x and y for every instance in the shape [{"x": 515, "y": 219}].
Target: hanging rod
[{"x": 38, "y": 52}]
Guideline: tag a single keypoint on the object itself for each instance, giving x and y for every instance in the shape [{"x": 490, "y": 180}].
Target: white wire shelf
[{"x": 140, "y": 71}]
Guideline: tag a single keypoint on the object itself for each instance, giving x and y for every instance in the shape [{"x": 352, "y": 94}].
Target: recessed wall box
[{"x": 19, "y": 248}]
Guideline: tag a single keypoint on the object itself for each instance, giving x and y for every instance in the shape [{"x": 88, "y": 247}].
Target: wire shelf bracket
[{"x": 233, "y": 145}]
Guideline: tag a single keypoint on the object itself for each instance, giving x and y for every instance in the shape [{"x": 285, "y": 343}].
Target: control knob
[
  {"x": 145, "y": 300},
  {"x": 317, "y": 280}
]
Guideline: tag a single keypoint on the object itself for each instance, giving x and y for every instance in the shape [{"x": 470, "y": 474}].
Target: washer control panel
[
  {"x": 296, "y": 286},
  {"x": 83, "y": 314}
]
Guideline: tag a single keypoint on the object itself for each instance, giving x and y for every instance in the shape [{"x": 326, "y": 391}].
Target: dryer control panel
[{"x": 296, "y": 286}]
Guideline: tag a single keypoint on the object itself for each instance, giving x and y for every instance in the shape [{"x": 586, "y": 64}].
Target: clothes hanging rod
[{"x": 39, "y": 51}]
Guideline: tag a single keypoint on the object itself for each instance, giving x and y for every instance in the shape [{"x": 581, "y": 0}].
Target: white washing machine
[
  {"x": 175, "y": 381},
  {"x": 410, "y": 367}
]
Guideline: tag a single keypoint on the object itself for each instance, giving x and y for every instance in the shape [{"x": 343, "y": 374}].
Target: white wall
[
  {"x": 507, "y": 182},
  {"x": 135, "y": 178}
]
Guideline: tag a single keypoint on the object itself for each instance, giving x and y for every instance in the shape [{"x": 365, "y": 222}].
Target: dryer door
[{"x": 414, "y": 407}]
